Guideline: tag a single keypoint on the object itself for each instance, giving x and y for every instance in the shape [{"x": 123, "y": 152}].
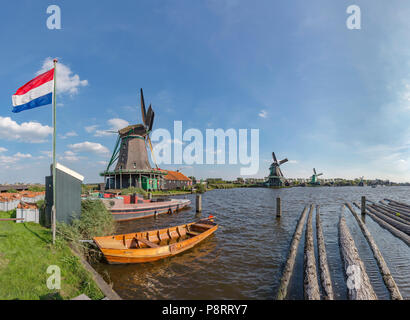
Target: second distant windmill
[{"x": 314, "y": 178}]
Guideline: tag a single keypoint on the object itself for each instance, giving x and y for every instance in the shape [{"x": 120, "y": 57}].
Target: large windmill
[
  {"x": 276, "y": 178},
  {"x": 313, "y": 178},
  {"x": 132, "y": 167}
]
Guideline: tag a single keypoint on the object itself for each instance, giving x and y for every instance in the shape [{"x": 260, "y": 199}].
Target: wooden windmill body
[
  {"x": 276, "y": 177},
  {"x": 132, "y": 167}
]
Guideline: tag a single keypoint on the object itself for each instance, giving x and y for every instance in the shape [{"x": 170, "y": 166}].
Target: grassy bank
[
  {"x": 229, "y": 186},
  {"x": 170, "y": 192},
  {"x": 26, "y": 251}
]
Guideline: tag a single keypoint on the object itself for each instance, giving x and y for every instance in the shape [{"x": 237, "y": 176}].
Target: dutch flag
[{"x": 35, "y": 93}]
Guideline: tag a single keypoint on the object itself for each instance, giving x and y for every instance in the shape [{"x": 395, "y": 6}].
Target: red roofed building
[{"x": 176, "y": 180}]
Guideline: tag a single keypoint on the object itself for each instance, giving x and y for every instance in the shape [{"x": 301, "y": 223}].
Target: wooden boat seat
[
  {"x": 193, "y": 233},
  {"x": 201, "y": 225},
  {"x": 148, "y": 243}
]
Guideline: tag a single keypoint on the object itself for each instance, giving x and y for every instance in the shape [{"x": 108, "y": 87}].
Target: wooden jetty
[
  {"x": 386, "y": 223},
  {"x": 323, "y": 265},
  {"x": 317, "y": 282},
  {"x": 290, "y": 261},
  {"x": 384, "y": 269},
  {"x": 310, "y": 282},
  {"x": 358, "y": 282}
]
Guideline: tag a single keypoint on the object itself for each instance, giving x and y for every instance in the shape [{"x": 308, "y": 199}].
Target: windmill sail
[{"x": 144, "y": 114}]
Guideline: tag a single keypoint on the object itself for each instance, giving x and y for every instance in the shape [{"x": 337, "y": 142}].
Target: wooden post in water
[
  {"x": 278, "y": 207},
  {"x": 149, "y": 195},
  {"x": 198, "y": 203},
  {"x": 363, "y": 208}
]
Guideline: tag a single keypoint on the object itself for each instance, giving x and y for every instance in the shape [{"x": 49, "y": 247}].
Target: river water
[{"x": 244, "y": 259}]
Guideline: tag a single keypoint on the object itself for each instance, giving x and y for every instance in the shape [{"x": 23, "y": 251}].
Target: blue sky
[{"x": 320, "y": 94}]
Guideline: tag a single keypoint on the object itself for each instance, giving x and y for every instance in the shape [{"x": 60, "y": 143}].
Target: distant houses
[
  {"x": 25, "y": 204},
  {"x": 176, "y": 180}
]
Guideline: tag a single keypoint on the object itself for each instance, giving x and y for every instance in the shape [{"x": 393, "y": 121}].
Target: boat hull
[
  {"x": 139, "y": 212},
  {"x": 141, "y": 255}
]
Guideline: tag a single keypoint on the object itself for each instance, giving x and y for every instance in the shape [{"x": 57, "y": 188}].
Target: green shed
[{"x": 68, "y": 194}]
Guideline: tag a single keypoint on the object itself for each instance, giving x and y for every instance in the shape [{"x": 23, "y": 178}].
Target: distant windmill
[
  {"x": 276, "y": 178},
  {"x": 313, "y": 178},
  {"x": 361, "y": 183}
]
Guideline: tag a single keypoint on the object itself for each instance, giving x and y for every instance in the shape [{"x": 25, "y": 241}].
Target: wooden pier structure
[{"x": 391, "y": 215}]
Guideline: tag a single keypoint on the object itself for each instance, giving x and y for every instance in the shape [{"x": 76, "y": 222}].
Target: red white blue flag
[{"x": 35, "y": 93}]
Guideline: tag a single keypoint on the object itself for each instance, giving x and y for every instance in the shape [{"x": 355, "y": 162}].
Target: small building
[
  {"x": 9, "y": 201},
  {"x": 68, "y": 194},
  {"x": 27, "y": 211},
  {"x": 176, "y": 180},
  {"x": 31, "y": 196}
]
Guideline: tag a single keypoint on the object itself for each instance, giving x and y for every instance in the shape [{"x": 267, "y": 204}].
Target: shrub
[
  {"x": 36, "y": 188},
  {"x": 200, "y": 188},
  {"x": 132, "y": 190},
  {"x": 95, "y": 220}
]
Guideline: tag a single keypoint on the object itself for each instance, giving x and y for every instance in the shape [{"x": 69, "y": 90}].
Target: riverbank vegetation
[
  {"x": 230, "y": 185},
  {"x": 132, "y": 190},
  {"x": 95, "y": 221},
  {"x": 26, "y": 251}
]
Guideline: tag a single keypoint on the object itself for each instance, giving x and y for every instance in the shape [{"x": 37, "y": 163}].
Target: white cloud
[
  {"x": 67, "y": 82},
  {"x": 3, "y": 149},
  {"x": 33, "y": 132},
  {"x": 114, "y": 124},
  {"x": 263, "y": 114},
  {"x": 15, "y": 158},
  {"x": 92, "y": 128},
  {"x": 22, "y": 155},
  {"x": 70, "y": 156},
  {"x": 69, "y": 134},
  {"x": 90, "y": 147}
]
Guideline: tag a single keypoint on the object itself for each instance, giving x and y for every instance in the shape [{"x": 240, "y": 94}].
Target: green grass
[
  {"x": 37, "y": 188},
  {"x": 169, "y": 192},
  {"x": 26, "y": 251},
  {"x": 229, "y": 186}
]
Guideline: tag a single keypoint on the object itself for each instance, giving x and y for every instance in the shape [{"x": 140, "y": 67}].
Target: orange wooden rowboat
[{"x": 153, "y": 245}]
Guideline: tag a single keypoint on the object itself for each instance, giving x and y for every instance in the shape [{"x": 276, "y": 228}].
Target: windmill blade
[
  {"x": 151, "y": 123},
  {"x": 274, "y": 157},
  {"x": 280, "y": 174},
  {"x": 314, "y": 171},
  {"x": 283, "y": 161},
  {"x": 150, "y": 118},
  {"x": 152, "y": 152},
  {"x": 320, "y": 174},
  {"x": 144, "y": 113},
  {"x": 111, "y": 131}
]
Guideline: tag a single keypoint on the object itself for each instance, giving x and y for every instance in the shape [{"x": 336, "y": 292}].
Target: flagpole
[{"x": 54, "y": 152}]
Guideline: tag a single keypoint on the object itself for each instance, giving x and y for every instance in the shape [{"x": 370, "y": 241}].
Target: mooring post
[
  {"x": 149, "y": 195},
  {"x": 363, "y": 208},
  {"x": 278, "y": 207},
  {"x": 198, "y": 203}
]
